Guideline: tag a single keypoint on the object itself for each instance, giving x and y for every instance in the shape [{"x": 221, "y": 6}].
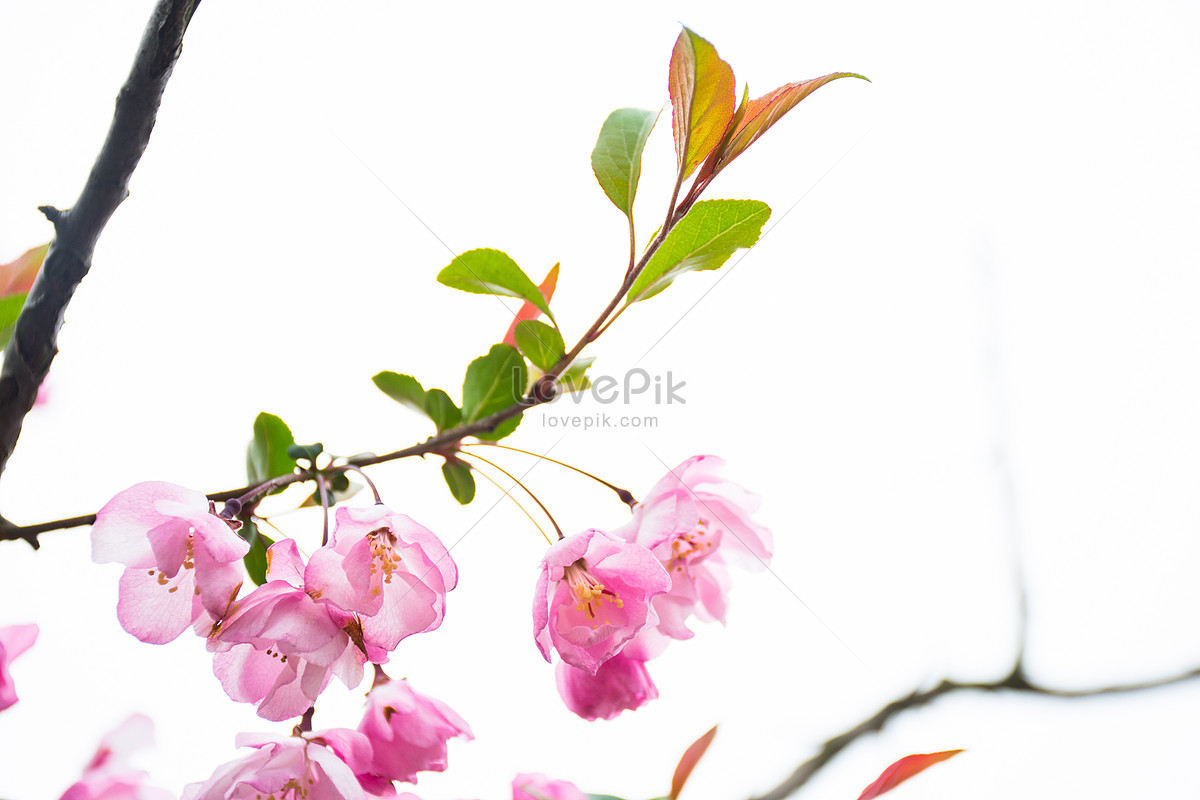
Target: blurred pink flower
[
  {"x": 408, "y": 731},
  {"x": 43, "y": 393},
  {"x": 536, "y": 786},
  {"x": 278, "y": 647},
  {"x": 696, "y": 523},
  {"x": 14, "y": 640},
  {"x": 108, "y": 775},
  {"x": 181, "y": 559},
  {"x": 593, "y": 595},
  {"x": 621, "y": 683},
  {"x": 288, "y": 767},
  {"x": 386, "y": 568}
]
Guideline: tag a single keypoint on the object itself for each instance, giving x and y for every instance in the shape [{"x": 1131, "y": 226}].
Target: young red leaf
[
  {"x": 528, "y": 310},
  {"x": 702, "y": 99},
  {"x": 688, "y": 762},
  {"x": 763, "y": 112},
  {"x": 17, "y": 276},
  {"x": 902, "y": 770}
]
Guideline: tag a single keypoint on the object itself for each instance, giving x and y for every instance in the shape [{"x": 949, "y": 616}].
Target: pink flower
[
  {"x": 536, "y": 786},
  {"x": 408, "y": 731},
  {"x": 696, "y": 523},
  {"x": 279, "y": 647},
  {"x": 14, "y": 640},
  {"x": 290, "y": 767},
  {"x": 386, "y": 568},
  {"x": 108, "y": 776},
  {"x": 620, "y": 683},
  {"x": 593, "y": 595},
  {"x": 354, "y": 748},
  {"x": 180, "y": 558}
]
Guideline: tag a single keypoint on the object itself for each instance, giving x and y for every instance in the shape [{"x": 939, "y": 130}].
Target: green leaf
[
  {"x": 460, "y": 480},
  {"x": 441, "y": 410},
  {"x": 704, "y": 239},
  {"x": 540, "y": 343},
  {"x": 493, "y": 382},
  {"x": 256, "y": 559},
  {"x": 306, "y": 451},
  {"x": 404, "y": 389},
  {"x": 617, "y": 157},
  {"x": 267, "y": 455},
  {"x": 10, "y": 309},
  {"x": 487, "y": 271},
  {"x": 573, "y": 378},
  {"x": 500, "y": 431}
]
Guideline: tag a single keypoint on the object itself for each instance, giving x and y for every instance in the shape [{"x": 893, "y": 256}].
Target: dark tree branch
[
  {"x": 35, "y": 339},
  {"x": 1014, "y": 682}
]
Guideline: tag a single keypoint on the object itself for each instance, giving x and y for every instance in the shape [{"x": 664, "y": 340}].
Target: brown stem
[{"x": 305, "y": 724}]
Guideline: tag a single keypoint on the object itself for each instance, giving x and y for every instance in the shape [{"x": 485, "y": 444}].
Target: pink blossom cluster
[
  {"x": 610, "y": 602},
  {"x": 380, "y": 578},
  {"x": 402, "y": 733}
]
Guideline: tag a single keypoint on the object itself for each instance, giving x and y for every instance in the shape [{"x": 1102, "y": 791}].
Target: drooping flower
[
  {"x": 536, "y": 786},
  {"x": 279, "y": 648},
  {"x": 288, "y": 767},
  {"x": 180, "y": 557},
  {"x": 696, "y": 523},
  {"x": 108, "y": 775},
  {"x": 14, "y": 640},
  {"x": 408, "y": 731},
  {"x": 354, "y": 749},
  {"x": 386, "y": 568},
  {"x": 620, "y": 684},
  {"x": 593, "y": 595}
]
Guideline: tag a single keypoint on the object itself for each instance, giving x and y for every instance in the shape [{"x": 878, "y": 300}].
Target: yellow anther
[{"x": 590, "y": 593}]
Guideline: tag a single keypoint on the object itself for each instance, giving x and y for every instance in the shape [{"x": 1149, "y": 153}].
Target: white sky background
[{"x": 994, "y": 242}]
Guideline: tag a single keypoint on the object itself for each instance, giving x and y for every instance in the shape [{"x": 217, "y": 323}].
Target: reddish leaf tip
[
  {"x": 688, "y": 761},
  {"x": 904, "y": 769}
]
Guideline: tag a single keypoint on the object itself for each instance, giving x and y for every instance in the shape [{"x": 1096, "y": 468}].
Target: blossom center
[
  {"x": 589, "y": 592},
  {"x": 692, "y": 546},
  {"x": 384, "y": 557},
  {"x": 292, "y": 789},
  {"x": 189, "y": 562}
]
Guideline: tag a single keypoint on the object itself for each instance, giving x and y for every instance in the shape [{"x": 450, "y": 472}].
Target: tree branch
[
  {"x": 1015, "y": 681},
  {"x": 34, "y": 342}
]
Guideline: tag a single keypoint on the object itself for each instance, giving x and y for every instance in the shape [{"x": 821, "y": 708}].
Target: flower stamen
[{"x": 590, "y": 593}]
